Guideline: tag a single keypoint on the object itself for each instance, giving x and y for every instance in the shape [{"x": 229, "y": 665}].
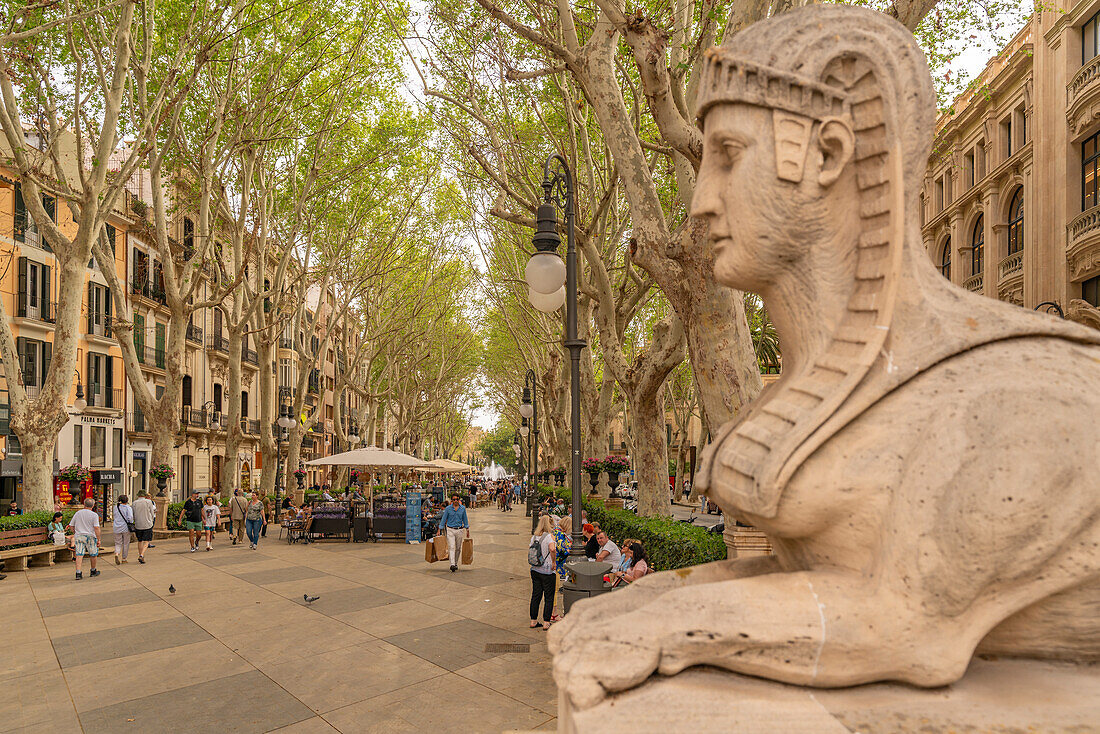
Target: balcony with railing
[
  {"x": 150, "y": 356},
  {"x": 314, "y": 382},
  {"x": 974, "y": 283},
  {"x": 99, "y": 324},
  {"x": 98, "y": 396},
  {"x": 194, "y": 334},
  {"x": 39, "y": 310},
  {"x": 219, "y": 344},
  {"x": 25, "y": 231},
  {"x": 250, "y": 356},
  {"x": 142, "y": 285},
  {"x": 285, "y": 343},
  {"x": 136, "y": 423},
  {"x": 1011, "y": 265}
]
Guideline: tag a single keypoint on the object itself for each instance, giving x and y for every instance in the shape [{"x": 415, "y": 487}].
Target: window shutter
[
  {"x": 91, "y": 307},
  {"x": 21, "y": 349},
  {"x": 21, "y": 297},
  {"x": 46, "y": 313},
  {"x": 139, "y": 336},
  {"x": 217, "y": 322},
  {"x": 20, "y": 215},
  {"x": 109, "y": 382},
  {"x": 107, "y": 312},
  {"x": 111, "y": 237},
  {"x": 47, "y": 357},
  {"x": 135, "y": 277},
  {"x": 89, "y": 387}
]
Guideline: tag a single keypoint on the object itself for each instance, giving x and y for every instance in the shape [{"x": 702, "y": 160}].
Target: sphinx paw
[{"x": 592, "y": 662}]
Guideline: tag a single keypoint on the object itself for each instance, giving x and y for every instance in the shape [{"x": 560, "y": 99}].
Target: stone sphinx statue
[{"x": 927, "y": 467}]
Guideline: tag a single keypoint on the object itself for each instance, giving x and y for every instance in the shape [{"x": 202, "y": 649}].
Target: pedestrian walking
[
  {"x": 238, "y": 504},
  {"x": 210, "y": 514},
  {"x": 85, "y": 525},
  {"x": 541, "y": 556},
  {"x": 123, "y": 525},
  {"x": 255, "y": 520},
  {"x": 453, "y": 523},
  {"x": 192, "y": 510},
  {"x": 267, "y": 515},
  {"x": 145, "y": 514}
]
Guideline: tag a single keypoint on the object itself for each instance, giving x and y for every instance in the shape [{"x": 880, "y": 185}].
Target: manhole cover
[{"x": 506, "y": 647}]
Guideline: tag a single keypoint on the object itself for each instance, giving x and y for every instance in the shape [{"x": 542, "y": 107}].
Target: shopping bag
[
  {"x": 467, "y": 551},
  {"x": 440, "y": 544},
  {"x": 429, "y": 551}
]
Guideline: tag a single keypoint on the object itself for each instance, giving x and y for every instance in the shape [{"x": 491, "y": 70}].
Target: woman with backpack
[{"x": 541, "y": 556}]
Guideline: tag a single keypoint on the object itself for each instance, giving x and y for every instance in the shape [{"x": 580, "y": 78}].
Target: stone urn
[
  {"x": 162, "y": 485},
  {"x": 613, "y": 480}
]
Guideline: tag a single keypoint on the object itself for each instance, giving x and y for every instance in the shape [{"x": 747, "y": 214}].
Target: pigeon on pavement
[
  {"x": 310, "y": 599},
  {"x": 171, "y": 589}
]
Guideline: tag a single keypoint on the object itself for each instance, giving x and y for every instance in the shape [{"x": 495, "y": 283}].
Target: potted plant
[
  {"x": 75, "y": 473},
  {"x": 162, "y": 473},
  {"x": 593, "y": 467},
  {"x": 614, "y": 466},
  {"x": 559, "y": 476}
]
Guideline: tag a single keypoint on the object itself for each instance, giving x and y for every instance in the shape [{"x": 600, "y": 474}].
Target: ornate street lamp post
[
  {"x": 545, "y": 274},
  {"x": 529, "y": 411}
]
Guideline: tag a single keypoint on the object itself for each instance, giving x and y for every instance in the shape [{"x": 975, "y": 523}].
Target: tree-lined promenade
[{"x": 237, "y": 214}]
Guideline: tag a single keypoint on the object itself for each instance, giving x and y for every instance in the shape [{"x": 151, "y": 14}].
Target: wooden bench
[{"x": 18, "y": 559}]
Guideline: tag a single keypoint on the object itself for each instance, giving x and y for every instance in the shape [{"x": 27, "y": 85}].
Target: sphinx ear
[{"x": 835, "y": 143}]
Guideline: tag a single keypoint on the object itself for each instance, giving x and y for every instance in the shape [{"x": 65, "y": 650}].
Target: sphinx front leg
[
  {"x": 644, "y": 591},
  {"x": 809, "y": 628}
]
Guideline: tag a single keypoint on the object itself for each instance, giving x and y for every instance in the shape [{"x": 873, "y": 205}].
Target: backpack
[{"x": 535, "y": 555}]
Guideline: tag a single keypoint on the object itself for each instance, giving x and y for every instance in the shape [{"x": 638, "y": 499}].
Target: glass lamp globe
[
  {"x": 545, "y": 272},
  {"x": 80, "y": 404},
  {"x": 526, "y": 410},
  {"x": 547, "y": 303},
  {"x": 524, "y": 430}
]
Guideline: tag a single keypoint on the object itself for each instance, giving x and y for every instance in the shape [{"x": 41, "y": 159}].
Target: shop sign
[
  {"x": 11, "y": 468},
  {"x": 107, "y": 476}
]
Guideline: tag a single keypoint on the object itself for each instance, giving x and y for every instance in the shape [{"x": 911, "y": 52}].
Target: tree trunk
[
  {"x": 647, "y": 419},
  {"x": 269, "y": 449},
  {"x": 38, "y": 469}
]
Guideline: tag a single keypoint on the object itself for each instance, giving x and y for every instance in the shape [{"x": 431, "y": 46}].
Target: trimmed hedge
[
  {"x": 39, "y": 519},
  {"x": 668, "y": 543}
]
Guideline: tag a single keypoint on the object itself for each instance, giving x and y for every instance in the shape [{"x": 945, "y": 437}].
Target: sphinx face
[{"x": 761, "y": 227}]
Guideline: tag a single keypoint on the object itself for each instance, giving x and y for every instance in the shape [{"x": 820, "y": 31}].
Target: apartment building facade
[
  {"x": 1009, "y": 205},
  {"x": 111, "y": 435}
]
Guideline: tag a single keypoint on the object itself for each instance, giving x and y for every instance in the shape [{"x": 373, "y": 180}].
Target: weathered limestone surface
[
  {"x": 925, "y": 467},
  {"x": 994, "y": 697}
]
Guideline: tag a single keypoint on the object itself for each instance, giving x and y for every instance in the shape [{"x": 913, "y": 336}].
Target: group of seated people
[{"x": 629, "y": 561}]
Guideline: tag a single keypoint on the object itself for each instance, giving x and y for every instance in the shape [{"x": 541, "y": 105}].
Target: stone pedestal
[
  {"x": 161, "y": 523},
  {"x": 299, "y": 497},
  {"x": 994, "y": 696}
]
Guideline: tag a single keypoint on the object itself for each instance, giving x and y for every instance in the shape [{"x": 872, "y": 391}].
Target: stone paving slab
[
  {"x": 455, "y": 645},
  {"x": 92, "y": 647},
  {"x": 209, "y": 706},
  {"x": 236, "y": 649},
  {"x": 93, "y": 601}
]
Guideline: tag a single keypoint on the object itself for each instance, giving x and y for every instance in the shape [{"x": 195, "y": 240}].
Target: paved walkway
[{"x": 393, "y": 645}]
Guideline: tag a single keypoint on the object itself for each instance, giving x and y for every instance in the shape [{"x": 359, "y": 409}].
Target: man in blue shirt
[{"x": 453, "y": 523}]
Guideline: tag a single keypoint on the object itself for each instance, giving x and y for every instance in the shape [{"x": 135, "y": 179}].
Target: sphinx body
[{"x": 926, "y": 466}]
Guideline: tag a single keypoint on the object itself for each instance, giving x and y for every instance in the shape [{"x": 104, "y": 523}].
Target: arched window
[
  {"x": 1016, "y": 222},
  {"x": 977, "y": 247},
  {"x": 945, "y": 259}
]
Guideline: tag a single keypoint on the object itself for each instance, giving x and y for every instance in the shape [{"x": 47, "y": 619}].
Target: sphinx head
[
  {"x": 774, "y": 187},
  {"x": 807, "y": 126}
]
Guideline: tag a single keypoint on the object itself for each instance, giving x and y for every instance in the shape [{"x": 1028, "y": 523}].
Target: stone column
[
  {"x": 957, "y": 254},
  {"x": 161, "y": 523},
  {"x": 991, "y": 222}
]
